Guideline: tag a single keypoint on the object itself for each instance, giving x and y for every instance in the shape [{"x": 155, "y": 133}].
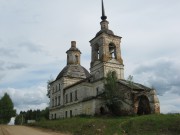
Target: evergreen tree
[{"x": 6, "y": 109}]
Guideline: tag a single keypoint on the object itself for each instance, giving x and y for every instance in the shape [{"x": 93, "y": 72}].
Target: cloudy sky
[{"x": 35, "y": 34}]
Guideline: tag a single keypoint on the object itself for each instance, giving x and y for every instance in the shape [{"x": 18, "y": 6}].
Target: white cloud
[
  {"x": 162, "y": 73},
  {"x": 29, "y": 98},
  {"x": 169, "y": 103}
]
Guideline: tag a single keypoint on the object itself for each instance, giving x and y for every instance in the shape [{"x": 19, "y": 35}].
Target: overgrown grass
[
  {"x": 85, "y": 125},
  {"x": 137, "y": 125},
  {"x": 153, "y": 125}
]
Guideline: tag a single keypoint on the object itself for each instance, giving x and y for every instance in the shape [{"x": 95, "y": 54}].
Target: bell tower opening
[
  {"x": 97, "y": 52},
  {"x": 112, "y": 51}
]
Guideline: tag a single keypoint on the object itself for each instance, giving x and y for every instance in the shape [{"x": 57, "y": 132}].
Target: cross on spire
[{"x": 103, "y": 17}]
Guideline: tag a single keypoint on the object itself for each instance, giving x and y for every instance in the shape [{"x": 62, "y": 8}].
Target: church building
[{"x": 75, "y": 91}]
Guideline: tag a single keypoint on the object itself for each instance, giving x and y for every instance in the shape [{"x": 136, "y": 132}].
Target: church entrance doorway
[
  {"x": 143, "y": 106},
  {"x": 102, "y": 110}
]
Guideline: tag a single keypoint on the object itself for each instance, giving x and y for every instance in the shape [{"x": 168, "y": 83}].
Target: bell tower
[{"x": 106, "y": 51}]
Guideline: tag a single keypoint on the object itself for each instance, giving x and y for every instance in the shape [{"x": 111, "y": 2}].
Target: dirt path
[{"x": 22, "y": 130}]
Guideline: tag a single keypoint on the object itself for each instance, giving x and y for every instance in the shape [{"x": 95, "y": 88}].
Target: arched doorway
[{"x": 143, "y": 106}]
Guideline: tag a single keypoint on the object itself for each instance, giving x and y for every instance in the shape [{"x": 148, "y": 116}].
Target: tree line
[{"x": 37, "y": 115}]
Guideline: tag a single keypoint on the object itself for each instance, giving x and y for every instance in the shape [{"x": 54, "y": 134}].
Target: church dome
[
  {"x": 73, "y": 71},
  {"x": 107, "y": 31}
]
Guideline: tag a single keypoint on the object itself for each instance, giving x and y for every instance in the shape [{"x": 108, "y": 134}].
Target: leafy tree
[
  {"x": 49, "y": 85},
  {"x": 45, "y": 114},
  {"x": 19, "y": 119},
  {"x": 6, "y": 109},
  {"x": 111, "y": 94},
  {"x": 130, "y": 81}
]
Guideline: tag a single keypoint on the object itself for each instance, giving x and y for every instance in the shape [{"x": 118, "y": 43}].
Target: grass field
[{"x": 135, "y": 125}]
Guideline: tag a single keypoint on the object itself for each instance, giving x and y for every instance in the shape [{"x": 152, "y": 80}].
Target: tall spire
[{"x": 103, "y": 17}]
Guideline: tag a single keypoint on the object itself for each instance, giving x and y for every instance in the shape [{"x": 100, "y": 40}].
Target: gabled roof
[{"x": 134, "y": 86}]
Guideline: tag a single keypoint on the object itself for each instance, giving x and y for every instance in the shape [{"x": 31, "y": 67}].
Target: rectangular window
[
  {"x": 56, "y": 101},
  {"x": 75, "y": 112},
  {"x": 59, "y": 100},
  {"x": 59, "y": 87},
  {"x": 66, "y": 98},
  {"x": 70, "y": 97},
  {"x": 76, "y": 95},
  {"x": 56, "y": 88},
  {"x": 66, "y": 114},
  {"x": 97, "y": 90},
  {"x": 70, "y": 113},
  {"x": 52, "y": 103}
]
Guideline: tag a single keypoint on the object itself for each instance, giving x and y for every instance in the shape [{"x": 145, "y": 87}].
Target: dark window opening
[
  {"x": 102, "y": 110},
  {"x": 97, "y": 90},
  {"x": 66, "y": 114},
  {"x": 52, "y": 102},
  {"x": 76, "y": 95},
  {"x": 56, "y": 101},
  {"x": 59, "y": 87},
  {"x": 59, "y": 100},
  {"x": 70, "y": 113},
  {"x": 70, "y": 97},
  {"x": 66, "y": 98}
]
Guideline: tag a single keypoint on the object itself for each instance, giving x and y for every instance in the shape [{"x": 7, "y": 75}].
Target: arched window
[
  {"x": 96, "y": 52},
  {"x": 112, "y": 51}
]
